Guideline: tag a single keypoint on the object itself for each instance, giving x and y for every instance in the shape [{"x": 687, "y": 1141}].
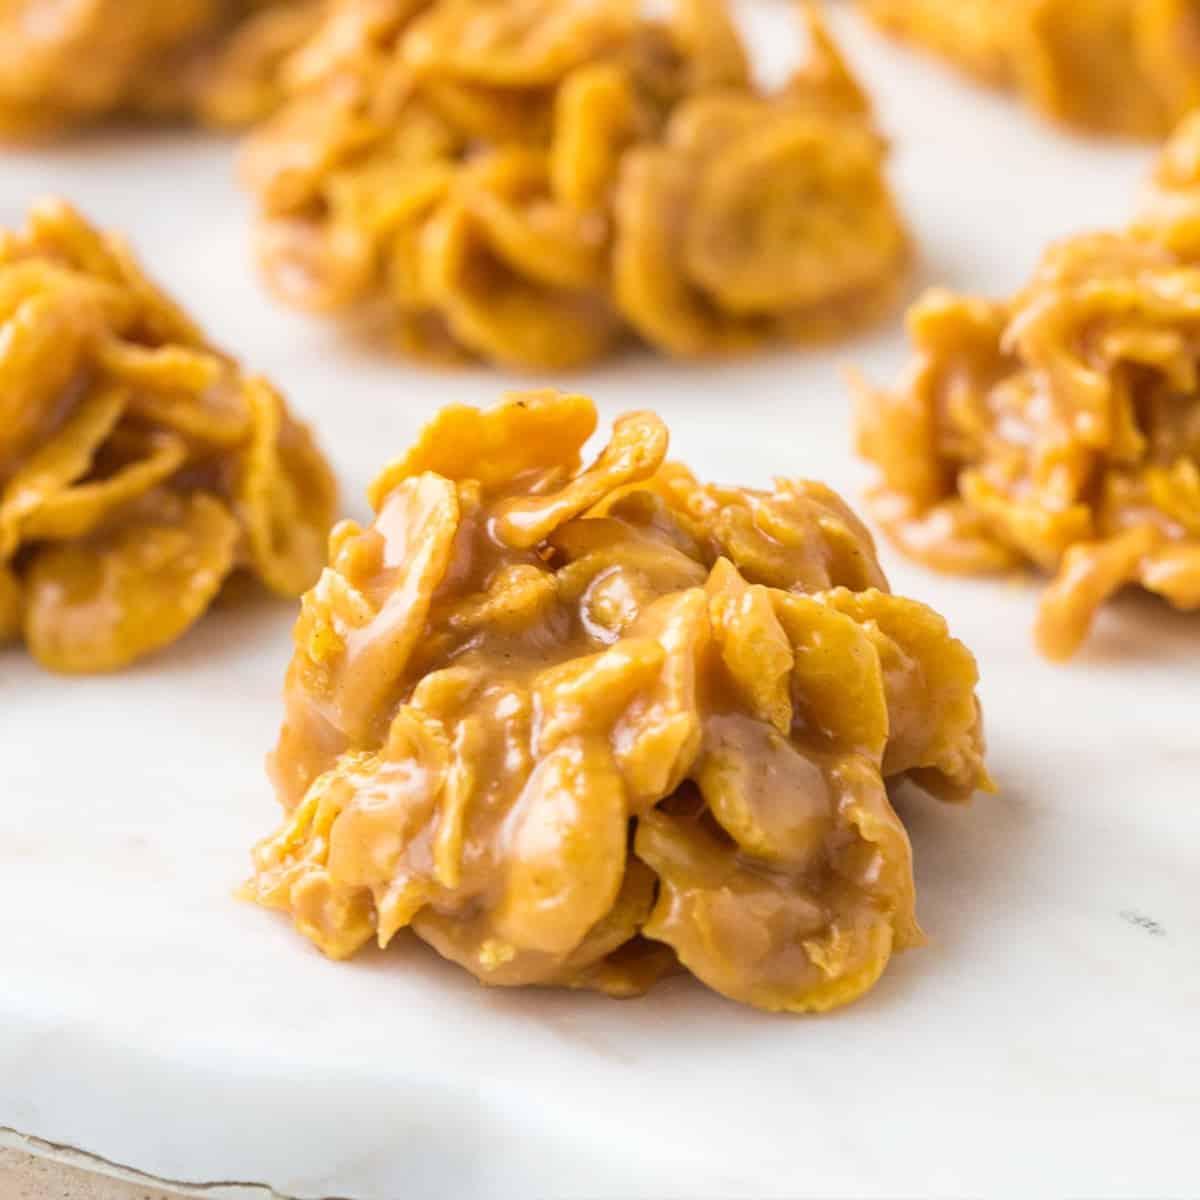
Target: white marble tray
[{"x": 1046, "y": 1043}]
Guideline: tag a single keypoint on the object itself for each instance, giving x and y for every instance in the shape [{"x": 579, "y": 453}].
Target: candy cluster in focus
[{"x": 582, "y": 725}]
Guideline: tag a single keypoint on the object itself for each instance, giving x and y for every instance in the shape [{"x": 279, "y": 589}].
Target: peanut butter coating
[
  {"x": 1061, "y": 428},
  {"x": 582, "y": 725}
]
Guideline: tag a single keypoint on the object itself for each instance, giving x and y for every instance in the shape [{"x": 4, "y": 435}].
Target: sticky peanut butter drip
[{"x": 575, "y": 725}]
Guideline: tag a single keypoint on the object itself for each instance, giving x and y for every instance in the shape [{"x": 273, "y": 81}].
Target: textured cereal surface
[
  {"x": 139, "y": 467},
  {"x": 533, "y": 182},
  {"x": 583, "y": 725},
  {"x": 1060, "y": 428},
  {"x": 1126, "y": 67}
]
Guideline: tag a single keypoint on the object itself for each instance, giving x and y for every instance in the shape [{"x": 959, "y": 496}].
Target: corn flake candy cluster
[
  {"x": 67, "y": 63},
  {"x": 529, "y": 182},
  {"x": 1125, "y": 67},
  {"x": 578, "y": 725},
  {"x": 1060, "y": 428},
  {"x": 139, "y": 468}
]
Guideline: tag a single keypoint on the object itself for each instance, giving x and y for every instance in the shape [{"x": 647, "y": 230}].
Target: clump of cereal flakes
[
  {"x": 531, "y": 181},
  {"x": 1126, "y": 67},
  {"x": 578, "y": 725},
  {"x": 1060, "y": 428},
  {"x": 63, "y": 65},
  {"x": 139, "y": 467}
]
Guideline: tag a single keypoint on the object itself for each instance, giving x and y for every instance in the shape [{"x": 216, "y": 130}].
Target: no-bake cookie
[
  {"x": 1129, "y": 67},
  {"x": 1060, "y": 428},
  {"x": 66, "y": 63},
  {"x": 531, "y": 181},
  {"x": 579, "y": 725},
  {"x": 139, "y": 466}
]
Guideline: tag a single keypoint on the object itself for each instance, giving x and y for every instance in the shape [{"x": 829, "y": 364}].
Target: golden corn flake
[
  {"x": 138, "y": 466},
  {"x": 1127, "y": 67},
  {"x": 784, "y": 219},
  {"x": 649, "y": 285},
  {"x": 515, "y": 280},
  {"x": 129, "y": 464},
  {"x": 53, "y": 467},
  {"x": 518, "y": 43},
  {"x": 219, "y": 61},
  {"x": 529, "y": 181},
  {"x": 545, "y": 713},
  {"x": 1060, "y": 428},
  {"x": 99, "y": 603},
  {"x": 542, "y": 431},
  {"x": 284, "y": 495}
]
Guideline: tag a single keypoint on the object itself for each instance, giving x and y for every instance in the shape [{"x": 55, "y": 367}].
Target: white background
[{"x": 1045, "y": 1044}]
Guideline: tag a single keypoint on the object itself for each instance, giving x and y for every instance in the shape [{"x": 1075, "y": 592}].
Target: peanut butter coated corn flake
[
  {"x": 1128, "y": 67},
  {"x": 1060, "y": 428},
  {"x": 138, "y": 467},
  {"x": 68, "y": 62},
  {"x": 582, "y": 724},
  {"x": 531, "y": 181}
]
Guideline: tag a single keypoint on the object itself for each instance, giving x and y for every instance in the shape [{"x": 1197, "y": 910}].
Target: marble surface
[{"x": 1046, "y": 1042}]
